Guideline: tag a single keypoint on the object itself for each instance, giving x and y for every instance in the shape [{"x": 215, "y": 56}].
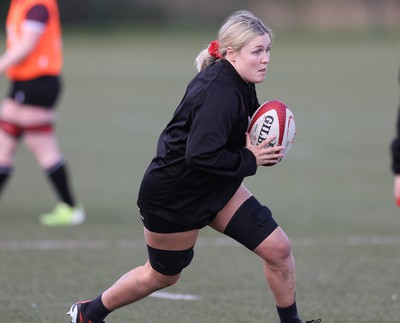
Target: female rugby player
[{"x": 195, "y": 180}]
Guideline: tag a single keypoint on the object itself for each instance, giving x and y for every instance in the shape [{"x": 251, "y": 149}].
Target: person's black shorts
[
  {"x": 250, "y": 225},
  {"x": 42, "y": 91}
]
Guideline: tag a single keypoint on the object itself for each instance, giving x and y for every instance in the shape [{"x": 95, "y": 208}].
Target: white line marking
[
  {"x": 53, "y": 244},
  {"x": 201, "y": 242},
  {"x": 184, "y": 297}
]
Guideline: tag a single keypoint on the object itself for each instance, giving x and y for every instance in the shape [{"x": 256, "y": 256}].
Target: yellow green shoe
[{"x": 63, "y": 215}]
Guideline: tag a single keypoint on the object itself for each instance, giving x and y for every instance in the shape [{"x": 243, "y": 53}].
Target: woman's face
[{"x": 251, "y": 60}]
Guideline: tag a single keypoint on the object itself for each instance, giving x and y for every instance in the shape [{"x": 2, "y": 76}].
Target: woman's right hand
[{"x": 265, "y": 155}]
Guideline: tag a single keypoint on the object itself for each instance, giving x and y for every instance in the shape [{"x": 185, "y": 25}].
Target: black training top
[
  {"x": 201, "y": 160},
  {"x": 395, "y": 147}
]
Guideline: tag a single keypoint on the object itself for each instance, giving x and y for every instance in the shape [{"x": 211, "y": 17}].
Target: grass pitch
[{"x": 332, "y": 194}]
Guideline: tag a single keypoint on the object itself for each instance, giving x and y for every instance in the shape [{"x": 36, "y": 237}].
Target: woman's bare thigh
[
  {"x": 25, "y": 115},
  {"x": 225, "y": 215},
  {"x": 171, "y": 241}
]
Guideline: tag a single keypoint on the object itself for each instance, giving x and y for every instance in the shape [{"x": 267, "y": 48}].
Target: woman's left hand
[{"x": 265, "y": 154}]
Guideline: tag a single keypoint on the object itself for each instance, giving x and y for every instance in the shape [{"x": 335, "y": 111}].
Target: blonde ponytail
[{"x": 208, "y": 55}]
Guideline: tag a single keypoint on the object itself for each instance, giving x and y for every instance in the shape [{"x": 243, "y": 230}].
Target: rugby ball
[{"x": 273, "y": 118}]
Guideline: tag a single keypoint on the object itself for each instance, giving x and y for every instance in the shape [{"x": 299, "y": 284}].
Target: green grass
[{"x": 332, "y": 195}]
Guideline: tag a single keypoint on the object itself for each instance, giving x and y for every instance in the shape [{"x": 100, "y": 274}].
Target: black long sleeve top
[{"x": 201, "y": 157}]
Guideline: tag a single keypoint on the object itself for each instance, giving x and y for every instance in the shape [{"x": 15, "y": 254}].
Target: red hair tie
[{"x": 213, "y": 49}]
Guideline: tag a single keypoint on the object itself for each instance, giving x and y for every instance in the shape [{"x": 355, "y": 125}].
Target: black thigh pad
[
  {"x": 251, "y": 224},
  {"x": 169, "y": 262}
]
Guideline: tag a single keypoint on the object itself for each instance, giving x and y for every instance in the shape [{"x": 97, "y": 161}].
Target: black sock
[
  {"x": 58, "y": 176},
  {"x": 96, "y": 311},
  {"x": 5, "y": 173},
  {"x": 289, "y": 314}
]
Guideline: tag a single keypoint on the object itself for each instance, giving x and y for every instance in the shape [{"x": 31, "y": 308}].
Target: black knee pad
[
  {"x": 251, "y": 224},
  {"x": 169, "y": 262}
]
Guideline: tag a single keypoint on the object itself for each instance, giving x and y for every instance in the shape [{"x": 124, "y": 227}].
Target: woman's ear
[{"x": 230, "y": 54}]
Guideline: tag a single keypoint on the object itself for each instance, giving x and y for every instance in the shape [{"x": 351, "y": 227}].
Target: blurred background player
[
  {"x": 395, "y": 148},
  {"x": 33, "y": 64}
]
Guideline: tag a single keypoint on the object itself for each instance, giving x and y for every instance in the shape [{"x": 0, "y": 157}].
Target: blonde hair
[{"x": 237, "y": 31}]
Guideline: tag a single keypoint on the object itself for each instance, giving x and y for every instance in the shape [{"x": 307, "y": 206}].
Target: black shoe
[
  {"x": 77, "y": 314},
  {"x": 314, "y": 321}
]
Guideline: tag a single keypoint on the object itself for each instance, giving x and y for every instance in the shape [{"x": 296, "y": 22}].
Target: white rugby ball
[{"x": 273, "y": 118}]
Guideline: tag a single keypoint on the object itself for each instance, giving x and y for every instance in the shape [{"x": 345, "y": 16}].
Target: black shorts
[
  {"x": 42, "y": 91},
  {"x": 250, "y": 224}
]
